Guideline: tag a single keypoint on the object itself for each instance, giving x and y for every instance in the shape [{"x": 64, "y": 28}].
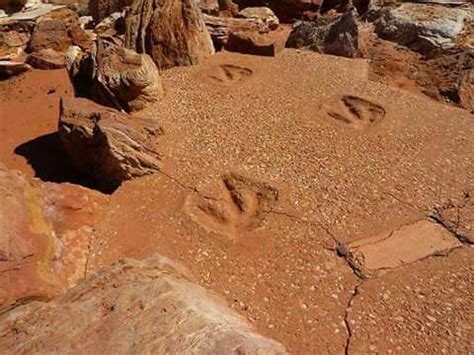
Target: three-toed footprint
[
  {"x": 356, "y": 112},
  {"x": 240, "y": 209}
]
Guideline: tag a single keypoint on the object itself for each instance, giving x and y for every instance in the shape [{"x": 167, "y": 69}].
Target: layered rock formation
[
  {"x": 46, "y": 27},
  {"x": 220, "y": 28},
  {"x": 132, "y": 306},
  {"x": 107, "y": 145},
  {"x": 45, "y": 35},
  {"x": 172, "y": 32},
  {"x": 45, "y": 231},
  {"x": 115, "y": 76}
]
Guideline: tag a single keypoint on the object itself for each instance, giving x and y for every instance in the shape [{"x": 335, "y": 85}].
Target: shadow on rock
[{"x": 50, "y": 162}]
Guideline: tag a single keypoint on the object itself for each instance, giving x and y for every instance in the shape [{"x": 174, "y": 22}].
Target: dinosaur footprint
[
  {"x": 241, "y": 209},
  {"x": 227, "y": 74},
  {"x": 356, "y": 112}
]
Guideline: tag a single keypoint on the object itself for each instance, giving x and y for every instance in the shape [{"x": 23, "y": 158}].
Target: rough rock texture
[
  {"x": 58, "y": 30},
  {"x": 107, "y": 145},
  {"x": 12, "y": 5},
  {"x": 45, "y": 229},
  {"x": 14, "y": 37},
  {"x": 53, "y": 34},
  {"x": 221, "y": 27},
  {"x": 441, "y": 75},
  {"x": 111, "y": 26},
  {"x": 100, "y": 9},
  {"x": 172, "y": 32},
  {"x": 46, "y": 59},
  {"x": 327, "y": 35},
  {"x": 115, "y": 76},
  {"x": 264, "y": 14},
  {"x": 421, "y": 27},
  {"x": 143, "y": 307},
  {"x": 253, "y": 43},
  {"x": 466, "y": 90},
  {"x": 286, "y": 10},
  {"x": 210, "y": 7}
]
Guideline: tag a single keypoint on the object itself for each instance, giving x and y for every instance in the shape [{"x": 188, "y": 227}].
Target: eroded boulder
[
  {"x": 58, "y": 30},
  {"x": 53, "y": 34},
  {"x": 263, "y": 14},
  {"x": 145, "y": 306},
  {"x": 115, "y": 76},
  {"x": 107, "y": 145},
  {"x": 45, "y": 231},
  {"x": 422, "y": 27},
  {"x": 100, "y": 9},
  {"x": 337, "y": 36},
  {"x": 254, "y": 43},
  {"x": 14, "y": 37},
  {"x": 111, "y": 26},
  {"x": 221, "y": 27},
  {"x": 46, "y": 59},
  {"x": 172, "y": 32}
]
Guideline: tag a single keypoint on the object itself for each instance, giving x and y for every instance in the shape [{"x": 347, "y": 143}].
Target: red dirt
[
  {"x": 276, "y": 261},
  {"x": 29, "y": 111}
]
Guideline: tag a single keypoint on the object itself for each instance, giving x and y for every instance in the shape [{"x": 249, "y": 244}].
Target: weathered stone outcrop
[
  {"x": 58, "y": 30},
  {"x": 53, "y": 34},
  {"x": 422, "y": 27},
  {"x": 100, "y": 9},
  {"x": 47, "y": 59},
  {"x": 228, "y": 8},
  {"x": 210, "y": 7},
  {"x": 111, "y": 26},
  {"x": 221, "y": 27},
  {"x": 45, "y": 230},
  {"x": 172, "y": 32},
  {"x": 286, "y": 10},
  {"x": 136, "y": 307},
  {"x": 263, "y": 14},
  {"x": 107, "y": 145},
  {"x": 14, "y": 37},
  {"x": 115, "y": 76},
  {"x": 254, "y": 43},
  {"x": 339, "y": 36},
  {"x": 17, "y": 28}
]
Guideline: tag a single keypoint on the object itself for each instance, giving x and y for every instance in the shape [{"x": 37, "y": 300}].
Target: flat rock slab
[
  {"x": 8, "y": 68},
  {"x": 374, "y": 255},
  {"x": 32, "y": 14}
]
